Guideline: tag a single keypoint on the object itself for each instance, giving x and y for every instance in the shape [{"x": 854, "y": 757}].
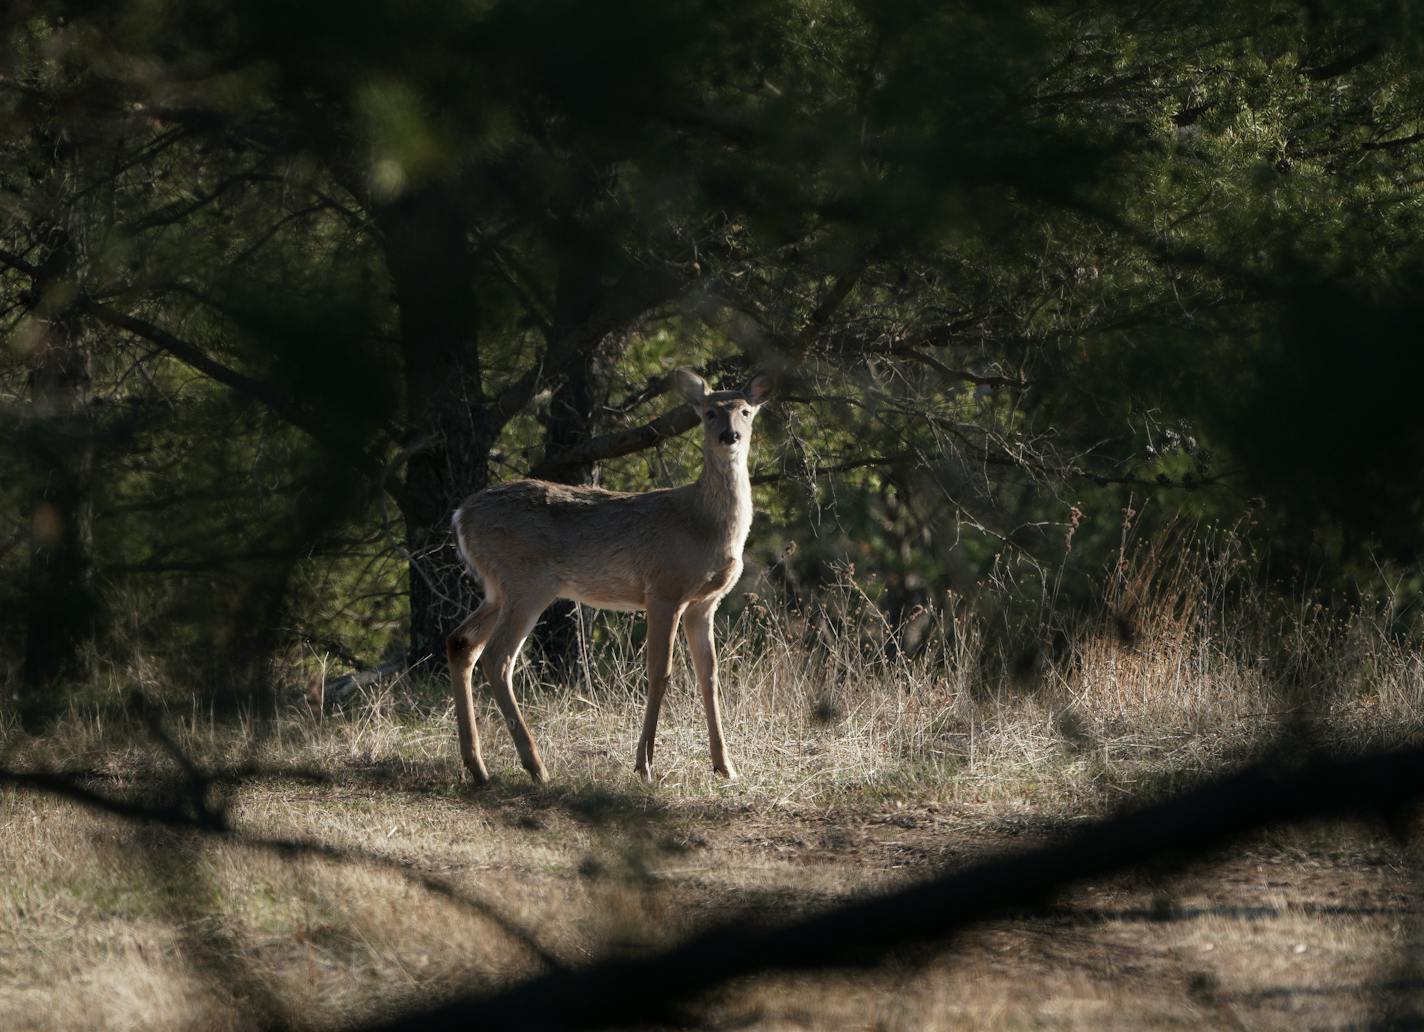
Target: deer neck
[{"x": 724, "y": 495}]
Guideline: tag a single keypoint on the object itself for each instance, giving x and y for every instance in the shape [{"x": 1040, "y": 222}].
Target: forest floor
[{"x": 363, "y": 874}]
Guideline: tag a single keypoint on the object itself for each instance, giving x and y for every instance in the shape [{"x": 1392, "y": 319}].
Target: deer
[{"x": 672, "y": 553}]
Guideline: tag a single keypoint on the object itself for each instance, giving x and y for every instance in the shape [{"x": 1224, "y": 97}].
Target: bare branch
[
  {"x": 648, "y": 990},
  {"x": 179, "y": 210},
  {"x": 1344, "y": 65},
  {"x": 825, "y": 308},
  {"x": 978, "y": 379},
  {"x": 194, "y": 358},
  {"x": 1394, "y": 145},
  {"x": 514, "y": 397},
  {"x": 870, "y": 461},
  {"x": 622, "y": 442},
  {"x": 209, "y": 820}
]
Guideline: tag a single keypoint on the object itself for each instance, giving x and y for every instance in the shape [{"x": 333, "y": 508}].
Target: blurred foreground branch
[
  {"x": 187, "y": 806},
  {"x": 654, "y": 989},
  {"x": 1280, "y": 791}
]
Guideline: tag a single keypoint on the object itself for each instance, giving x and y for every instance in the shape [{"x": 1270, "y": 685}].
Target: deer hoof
[{"x": 727, "y": 771}]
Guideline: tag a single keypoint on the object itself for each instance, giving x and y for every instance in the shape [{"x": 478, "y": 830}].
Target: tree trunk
[
  {"x": 557, "y": 636},
  {"x": 447, "y": 426},
  {"x": 63, "y": 606},
  {"x": 573, "y": 352}
]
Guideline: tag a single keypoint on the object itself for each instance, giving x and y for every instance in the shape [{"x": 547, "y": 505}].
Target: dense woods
[
  {"x": 1090, "y": 488},
  {"x": 282, "y": 283}
]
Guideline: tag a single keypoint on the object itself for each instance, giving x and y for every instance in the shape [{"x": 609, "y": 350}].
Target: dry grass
[{"x": 859, "y": 773}]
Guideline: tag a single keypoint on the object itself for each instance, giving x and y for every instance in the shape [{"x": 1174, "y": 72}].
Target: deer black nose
[{"x": 730, "y": 437}]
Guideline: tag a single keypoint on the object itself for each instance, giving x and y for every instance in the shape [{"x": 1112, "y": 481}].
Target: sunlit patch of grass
[
  {"x": 1186, "y": 670},
  {"x": 387, "y": 877}
]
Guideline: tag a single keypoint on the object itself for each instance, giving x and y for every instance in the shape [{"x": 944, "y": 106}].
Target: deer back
[{"x": 607, "y": 548}]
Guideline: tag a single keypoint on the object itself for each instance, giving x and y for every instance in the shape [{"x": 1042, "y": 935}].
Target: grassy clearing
[{"x": 397, "y": 882}]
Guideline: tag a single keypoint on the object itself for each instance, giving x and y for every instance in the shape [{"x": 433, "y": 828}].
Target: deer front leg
[
  {"x": 662, "y": 627},
  {"x": 698, "y": 629},
  {"x": 462, "y": 650}
]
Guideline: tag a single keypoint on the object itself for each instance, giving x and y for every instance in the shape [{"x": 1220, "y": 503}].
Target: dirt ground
[
  {"x": 336, "y": 901},
  {"x": 1309, "y": 929}
]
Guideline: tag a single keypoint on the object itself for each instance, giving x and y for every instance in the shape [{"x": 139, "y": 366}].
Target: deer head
[{"x": 726, "y": 416}]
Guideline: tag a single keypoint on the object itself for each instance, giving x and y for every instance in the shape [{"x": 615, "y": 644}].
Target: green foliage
[{"x": 326, "y": 269}]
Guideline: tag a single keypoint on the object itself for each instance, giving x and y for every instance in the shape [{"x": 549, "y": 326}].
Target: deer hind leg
[
  {"x": 698, "y": 629},
  {"x": 462, "y": 650},
  {"x": 516, "y": 620},
  {"x": 662, "y": 627}
]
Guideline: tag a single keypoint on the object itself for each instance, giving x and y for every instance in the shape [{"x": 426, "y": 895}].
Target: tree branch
[
  {"x": 650, "y": 990},
  {"x": 868, "y": 462},
  {"x": 825, "y": 308},
  {"x": 1393, "y": 145},
  {"x": 178, "y": 210},
  {"x": 621, "y": 442},
  {"x": 193, "y": 357},
  {"x": 1344, "y": 65},
  {"x": 204, "y": 819},
  {"x": 965, "y": 375},
  {"x": 513, "y": 398}
]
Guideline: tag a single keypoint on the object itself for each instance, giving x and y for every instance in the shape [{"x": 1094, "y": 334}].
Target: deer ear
[
  {"x": 758, "y": 391},
  {"x": 691, "y": 386}
]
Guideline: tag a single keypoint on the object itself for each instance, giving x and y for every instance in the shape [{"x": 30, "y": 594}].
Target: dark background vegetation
[{"x": 281, "y": 283}]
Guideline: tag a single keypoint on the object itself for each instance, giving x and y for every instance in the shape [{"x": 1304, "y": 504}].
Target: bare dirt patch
[{"x": 422, "y": 889}]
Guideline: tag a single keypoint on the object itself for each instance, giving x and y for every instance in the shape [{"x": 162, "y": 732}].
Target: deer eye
[
  {"x": 711, "y": 415},
  {"x": 746, "y": 412}
]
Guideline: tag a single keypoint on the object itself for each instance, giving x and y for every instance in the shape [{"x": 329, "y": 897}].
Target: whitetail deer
[{"x": 674, "y": 553}]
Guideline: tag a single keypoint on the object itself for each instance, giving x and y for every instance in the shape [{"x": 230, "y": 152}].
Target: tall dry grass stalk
[
  {"x": 1189, "y": 661},
  {"x": 841, "y": 722}
]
